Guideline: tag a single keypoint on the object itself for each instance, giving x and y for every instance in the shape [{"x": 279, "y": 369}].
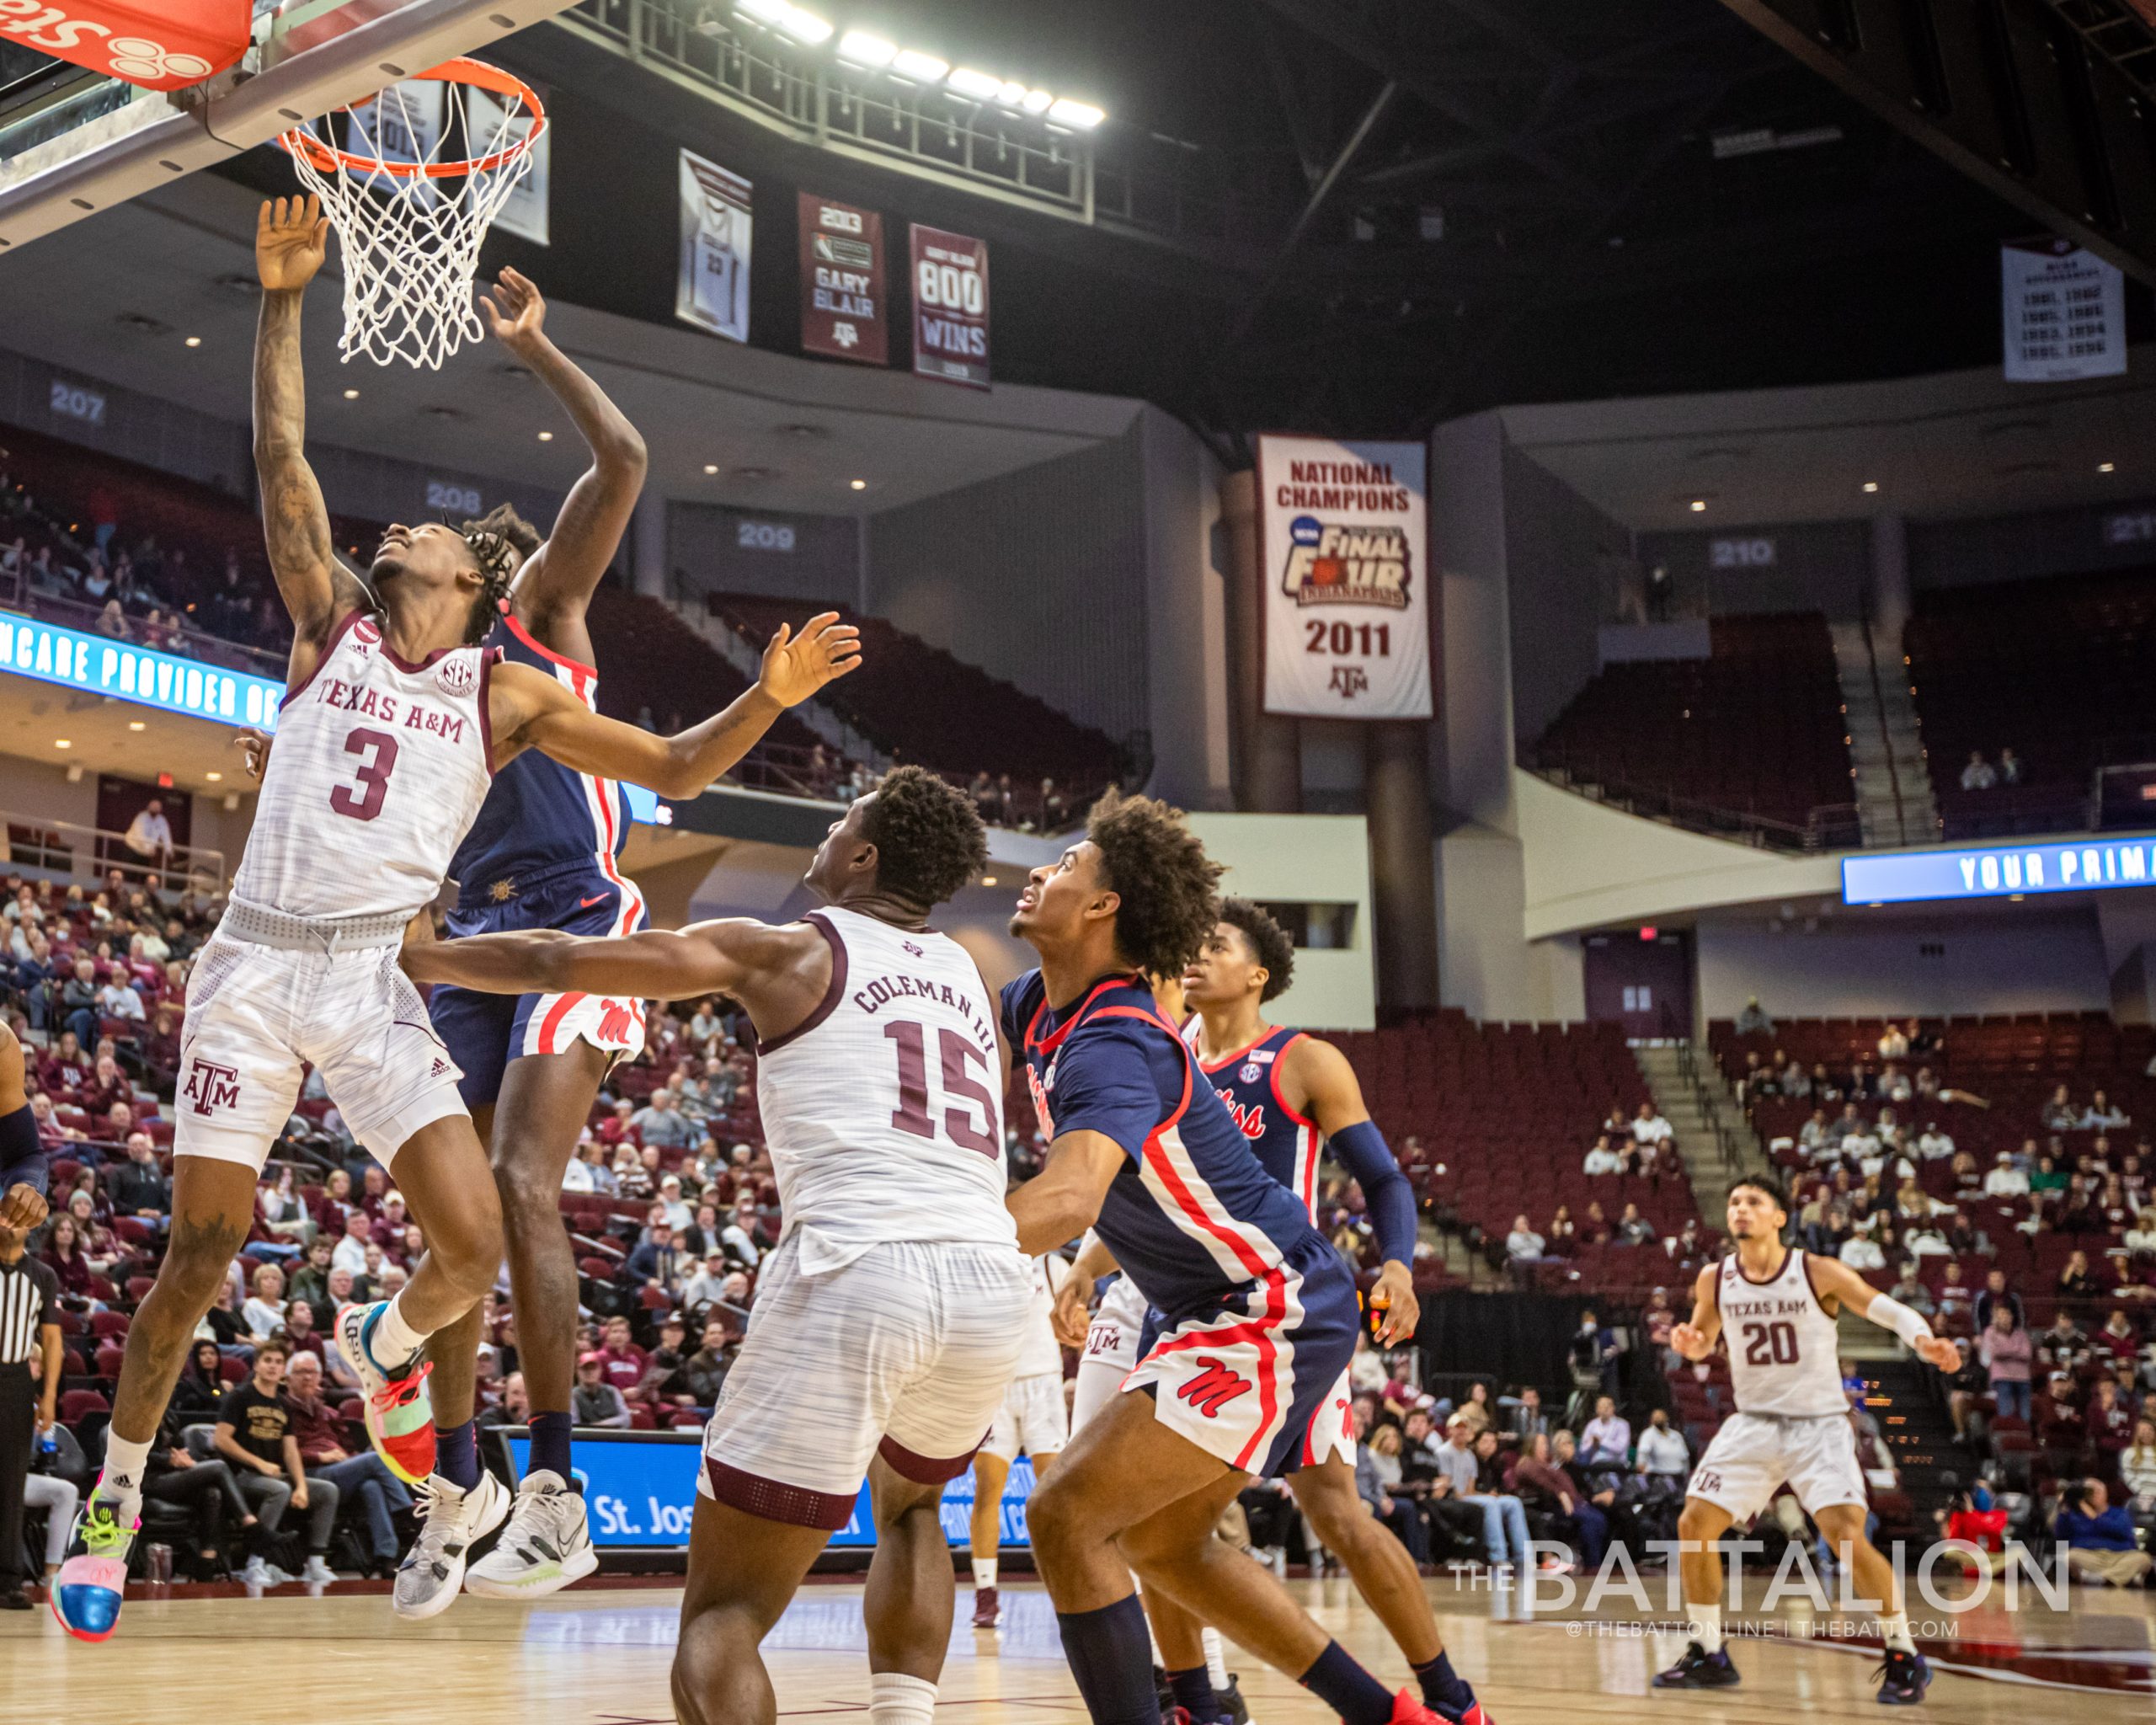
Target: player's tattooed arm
[
  {"x": 528, "y": 710},
  {"x": 291, "y": 237},
  {"x": 551, "y": 590},
  {"x": 1061, "y": 1202}
]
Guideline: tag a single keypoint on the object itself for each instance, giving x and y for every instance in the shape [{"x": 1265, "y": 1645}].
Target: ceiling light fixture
[
  {"x": 764, "y": 11},
  {"x": 1698, "y": 505},
  {"x": 922, "y": 68},
  {"x": 1870, "y": 485},
  {"x": 1079, "y": 116},
  {"x": 2107, "y": 466},
  {"x": 194, "y": 341},
  {"x": 351, "y": 395},
  {"x": 1038, "y": 101},
  {"x": 136, "y": 724},
  {"x": 214, "y": 777},
  {"x": 981, "y": 86},
  {"x": 805, "y": 26},
  {"x": 62, "y": 743},
  {"x": 860, "y": 485},
  {"x": 545, "y": 437},
  {"x": 859, "y": 48},
  {"x": 710, "y": 467}
]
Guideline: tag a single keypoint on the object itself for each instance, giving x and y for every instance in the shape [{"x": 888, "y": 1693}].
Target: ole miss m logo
[{"x": 1214, "y": 1387}]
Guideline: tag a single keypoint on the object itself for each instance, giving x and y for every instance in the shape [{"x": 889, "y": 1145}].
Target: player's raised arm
[
  {"x": 1695, "y": 1339},
  {"x": 530, "y": 711},
  {"x": 1333, "y": 1098},
  {"x": 552, "y": 589},
  {"x": 291, "y": 237},
  {"x": 1836, "y": 1280}
]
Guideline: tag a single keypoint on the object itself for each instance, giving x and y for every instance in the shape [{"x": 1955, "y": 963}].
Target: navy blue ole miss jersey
[
  {"x": 1191, "y": 1217},
  {"x": 540, "y": 816},
  {"x": 1248, "y": 1081}
]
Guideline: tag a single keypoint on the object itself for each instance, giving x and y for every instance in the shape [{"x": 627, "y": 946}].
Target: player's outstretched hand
[
  {"x": 516, "y": 312},
  {"x": 1393, "y": 1295},
  {"x": 254, "y": 746},
  {"x": 291, "y": 238},
  {"x": 1070, "y": 1318},
  {"x": 796, "y": 666},
  {"x": 1939, "y": 1351},
  {"x": 22, "y": 1208},
  {"x": 1690, "y": 1342}
]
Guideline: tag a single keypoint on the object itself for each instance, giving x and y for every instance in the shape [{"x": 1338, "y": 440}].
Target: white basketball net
[{"x": 410, "y": 239}]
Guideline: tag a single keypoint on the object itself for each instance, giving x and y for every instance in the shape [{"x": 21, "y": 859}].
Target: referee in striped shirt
[{"x": 29, "y": 1324}]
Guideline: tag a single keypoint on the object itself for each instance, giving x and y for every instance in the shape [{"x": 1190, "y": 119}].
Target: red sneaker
[{"x": 987, "y": 1612}]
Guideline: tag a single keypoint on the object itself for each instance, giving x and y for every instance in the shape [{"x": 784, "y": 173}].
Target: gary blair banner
[
  {"x": 842, "y": 281},
  {"x": 950, "y": 307},
  {"x": 1343, "y": 551}
]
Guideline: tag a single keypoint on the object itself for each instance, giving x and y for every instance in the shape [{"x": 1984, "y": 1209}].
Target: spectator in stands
[
  {"x": 1662, "y": 1450},
  {"x": 1607, "y": 1440},
  {"x": 594, "y": 1401},
  {"x": 2009, "y": 1357},
  {"x": 1525, "y": 1417},
  {"x": 1864, "y": 1252},
  {"x": 2059, "y": 1114},
  {"x": 1817, "y": 1135},
  {"x": 1601, "y": 1159},
  {"x": 2005, "y": 1180},
  {"x": 263, "y": 1314},
  {"x": 1977, "y": 775},
  {"x": 1461, "y": 1471},
  {"x": 149, "y": 835},
  {"x": 1522, "y": 1245},
  {"x": 2009, "y": 767},
  {"x": 1648, "y": 1126},
  {"x": 319, "y": 1435},
  {"x": 1378, "y": 1471},
  {"x": 78, "y": 1002},
  {"x": 703, "y": 1373},
  {"x": 2138, "y": 1473},
  {"x": 2104, "y": 1115},
  {"x": 1893, "y": 1045},
  {"x": 140, "y": 1187},
  {"x": 1634, "y": 1229},
  {"x": 254, "y": 1435},
  {"x": 1754, "y": 1019},
  {"x": 351, "y": 1252},
  {"x": 2075, "y": 1279},
  {"x": 2099, "y": 1537}
]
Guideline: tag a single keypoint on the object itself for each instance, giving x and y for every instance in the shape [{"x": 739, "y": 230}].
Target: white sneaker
[
  {"x": 451, "y": 1521},
  {"x": 317, "y": 1571},
  {"x": 545, "y": 1546},
  {"x": 257, "y": 1574}
]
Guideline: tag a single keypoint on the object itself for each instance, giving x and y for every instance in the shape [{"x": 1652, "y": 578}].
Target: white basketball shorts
[
  {"x": 1110, "y": 1351},
  {"x": 906, "y": 1352},
  {"x": 1032, "y": 1420},
  {"x": 1755, "y": 1454},
  {"x": 257, "y": 1015}
]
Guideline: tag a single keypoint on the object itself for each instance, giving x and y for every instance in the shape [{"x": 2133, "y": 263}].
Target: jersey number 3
[
  {"x": 912, "y": 1115},
  {"x": 363, "y": 802}
]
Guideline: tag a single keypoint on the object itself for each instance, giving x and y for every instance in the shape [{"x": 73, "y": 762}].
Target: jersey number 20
[
  {"x": 959, "y": 1054},
  {"x": 1770, "y": 1344},
  {"x": 363, "y": 802}
]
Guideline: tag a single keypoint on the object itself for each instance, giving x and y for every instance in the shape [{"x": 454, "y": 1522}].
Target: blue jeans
[
  {"x": 2013, "y": 1398},
  {"x": 1502, "y": 1517},
  {"x": 1592, "y": 1527},
  {"x": 380, "y": 1493}
]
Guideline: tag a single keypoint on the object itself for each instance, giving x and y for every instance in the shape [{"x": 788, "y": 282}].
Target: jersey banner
[
  {"x": 161, "y": 45},
  {"x": 712, "y": 293},
  {"x": 2064, "y": 313},
  {"x": 1343, "y": 557},
  {"x": 524, "y": 213},
  {"x": 950, "y": 307},
  {"x": 842, "y": 282}
]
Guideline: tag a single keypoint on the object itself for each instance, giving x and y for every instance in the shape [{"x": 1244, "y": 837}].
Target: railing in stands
[
  {"x": 182, "y": 640},
  {"x": 1831, "y": 826},
  {"x": 88, "y": 855}
]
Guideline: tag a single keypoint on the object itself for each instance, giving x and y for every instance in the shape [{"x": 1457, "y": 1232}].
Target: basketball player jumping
[
  {"x": 1260, "y": 1313},
  {"x": 391, "y": 729},
  {"x": 891, "y": 1319},
  {"x": 1778, "y": 1304}
]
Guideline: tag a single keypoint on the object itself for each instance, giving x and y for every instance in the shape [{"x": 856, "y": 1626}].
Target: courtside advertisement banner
[
  {"x": 1343, "y": 554},
  {"x": 842, "y": 282},
  {"x": 712, "y": 293},
  {"x": 950, "y": 307},
  {"x": 2064, "y": 312}
]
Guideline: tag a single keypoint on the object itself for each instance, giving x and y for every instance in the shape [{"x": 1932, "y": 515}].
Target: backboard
[{"x": 74, "y": 143}]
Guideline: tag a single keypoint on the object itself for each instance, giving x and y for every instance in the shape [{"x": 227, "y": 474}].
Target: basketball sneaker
[
  {"x": 451, "y": 1521},
  {"x": 1409, "y": 1708},
  {"x": 988, "y": 1610},
  {"x": 91, "y": 1584},
  {"x": 400, "y": 1416},
  {"x": 545, "y": 1545},
  {"x": 1231, "y": 1698},
  {"x": 1699, "y": 1669},
  {"x": 1902, "y": 1679}
]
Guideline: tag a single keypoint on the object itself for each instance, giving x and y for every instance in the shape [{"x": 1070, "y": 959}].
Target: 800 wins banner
[{"x": 1344, "y": 553}]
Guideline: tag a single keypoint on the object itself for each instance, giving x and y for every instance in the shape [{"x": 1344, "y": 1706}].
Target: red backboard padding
[{"x": 162, "y": 44}]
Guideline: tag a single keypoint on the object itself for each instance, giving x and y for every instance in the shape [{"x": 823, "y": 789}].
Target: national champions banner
[
  {"x": 712, "y": 293},
  {"x": 950, "y": 307},
  {"x": 1343, "y": 556},
  {"x": 2064, "y": 313},
  {"x": 842, "y": 282}
]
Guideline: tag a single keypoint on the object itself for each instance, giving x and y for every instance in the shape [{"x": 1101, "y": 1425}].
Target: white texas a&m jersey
[
  {"x": 1784, "y": 1355},
  {"x": 378, "y": 768},
  {"x": 884, "y": 1109}
]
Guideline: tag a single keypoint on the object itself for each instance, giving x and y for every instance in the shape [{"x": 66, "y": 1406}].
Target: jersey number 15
[{"x": 959, "y": 1056}]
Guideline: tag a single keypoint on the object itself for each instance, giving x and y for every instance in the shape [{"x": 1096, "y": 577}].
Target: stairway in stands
[
  {"x": 1892, "y": 782},
  {"x": 1914, "y": 1422}
]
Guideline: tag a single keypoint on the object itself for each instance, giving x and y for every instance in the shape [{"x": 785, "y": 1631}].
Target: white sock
[
  {"x": 125, "y": 1465},
  {"x": 1705, "y": 1622},
  {"x": 1216, "y": 1660},
  {"x": 895, "y": 1699},
  {"x": 983, "y": 1576},
  {"x": 1894, "y": 1630},
  {"x": 392, "y": 1341}
]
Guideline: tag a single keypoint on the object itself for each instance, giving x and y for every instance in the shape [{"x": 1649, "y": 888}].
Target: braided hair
[{"x": 502, "y": 541}]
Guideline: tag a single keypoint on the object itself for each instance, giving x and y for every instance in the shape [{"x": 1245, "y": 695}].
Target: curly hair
[
  {"x": 1163, "y": 876},
  {"x": 928, "y": 838},
  {"x": 503, "y": 541},
  {"x": 1268, "y": 943}
]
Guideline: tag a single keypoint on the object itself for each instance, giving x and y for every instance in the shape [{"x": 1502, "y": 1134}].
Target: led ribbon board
[
  {"x": 2000, "y": 870},
  {"x": 164, "y": 680}
]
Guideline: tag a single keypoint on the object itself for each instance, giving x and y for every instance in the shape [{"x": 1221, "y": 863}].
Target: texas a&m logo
[
  {"x": 1215, "y": 1386},
  {"x": 211, "y": 1087}
]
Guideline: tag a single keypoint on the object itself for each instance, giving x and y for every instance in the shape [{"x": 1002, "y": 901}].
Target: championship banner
[
  {"x": 950, "y": 307},
  {"x": 842, "y": 282},
  {"x": 2063, "y": 311},
  {"x": 523, "y": 212},
  {"x": 403, "y": 123},
  {"x": 712, "y": 293},
  {"x": 1343, "y": 557},
  {"x": 161, "y": 45}
]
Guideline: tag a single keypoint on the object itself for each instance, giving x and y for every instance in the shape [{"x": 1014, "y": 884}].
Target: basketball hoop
[{"x": 409, "y": 215}]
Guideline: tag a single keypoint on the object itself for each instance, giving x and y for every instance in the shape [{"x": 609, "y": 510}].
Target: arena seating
[
  {"x": 1754, "y": 730},
  {"x": 919, "y": 702},
  {"x": 2056, "y": 669}
]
